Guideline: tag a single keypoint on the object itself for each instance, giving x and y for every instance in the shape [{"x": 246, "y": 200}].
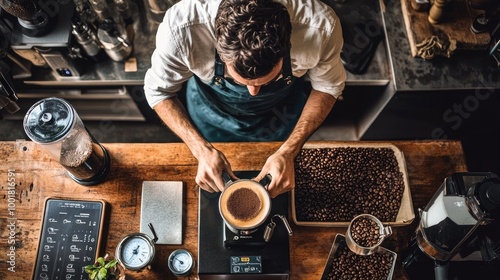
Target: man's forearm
[
  {"x": 174, "y": 115},
  {"x": 317, "y": 108}
]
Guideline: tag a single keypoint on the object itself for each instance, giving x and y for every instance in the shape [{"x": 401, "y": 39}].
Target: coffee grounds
[{"x": 244, "y": 204}]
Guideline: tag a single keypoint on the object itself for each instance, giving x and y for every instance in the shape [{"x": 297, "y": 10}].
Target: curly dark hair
[{"x": 252, "y": 35}]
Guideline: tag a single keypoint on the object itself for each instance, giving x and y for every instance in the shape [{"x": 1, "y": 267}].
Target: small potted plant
[{"x": 105, "y": 268}]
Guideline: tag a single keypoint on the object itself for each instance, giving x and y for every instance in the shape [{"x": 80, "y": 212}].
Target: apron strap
[
  {"x": 287, "y": 68},
  {"x": 219, "y": 69}
]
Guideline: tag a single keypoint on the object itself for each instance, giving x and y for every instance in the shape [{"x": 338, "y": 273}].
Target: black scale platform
[{"x": 218, "y": 246}]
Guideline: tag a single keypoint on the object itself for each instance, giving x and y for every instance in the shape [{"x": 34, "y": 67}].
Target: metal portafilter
[{"x": 365, "y": 234}]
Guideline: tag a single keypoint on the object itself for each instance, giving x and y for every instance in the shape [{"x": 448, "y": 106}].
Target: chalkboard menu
[{"x": 69, "y": 239}]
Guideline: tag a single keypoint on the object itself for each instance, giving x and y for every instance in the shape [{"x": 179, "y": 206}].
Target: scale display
[
  {"x": 69, "y": 238},
  {"x": 246, "y": 264}
]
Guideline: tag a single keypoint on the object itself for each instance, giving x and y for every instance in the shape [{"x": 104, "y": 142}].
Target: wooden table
[{"x": 37, "y": 176}]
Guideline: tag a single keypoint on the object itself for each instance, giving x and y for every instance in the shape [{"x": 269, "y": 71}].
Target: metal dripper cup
[{"x": 365, "y": 234}]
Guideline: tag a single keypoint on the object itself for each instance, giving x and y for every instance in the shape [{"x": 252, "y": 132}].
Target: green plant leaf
[
  {"x": 101, "y": 260},
  {"x": 103, "y": 274},
  {"x": 111, "y": 263},
  {"x": 93, "y": 275},
  {"x": 90, "y": 268}
]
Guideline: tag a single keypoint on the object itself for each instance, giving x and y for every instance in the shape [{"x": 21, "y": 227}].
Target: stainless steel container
[
  {"x": 114, "y": 40},
  {"x": 335, "y": 255},
  {"x": 382, "y": 232}
]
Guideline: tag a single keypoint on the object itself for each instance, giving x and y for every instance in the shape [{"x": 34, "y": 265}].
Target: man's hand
[
  {"x": 280, "y": 165},
  {"x": 281, "y": 168},
  {"x": 211, "y": 163}
]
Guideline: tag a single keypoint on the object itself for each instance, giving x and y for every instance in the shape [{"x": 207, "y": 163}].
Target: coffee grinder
[
  {"x": 41, "y": 34},
  {"x": 55, "y": 126},
  {"x": 458, "y": 235},
  {"x": 32, "y": 20},
  {"x": 224, "y": 254}
]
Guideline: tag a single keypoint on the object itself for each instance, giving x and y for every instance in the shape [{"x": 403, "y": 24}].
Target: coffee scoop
[{"x": 365, "y": 234}]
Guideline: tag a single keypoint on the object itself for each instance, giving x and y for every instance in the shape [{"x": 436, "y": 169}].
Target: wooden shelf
[{"x": 455, "y": 27}]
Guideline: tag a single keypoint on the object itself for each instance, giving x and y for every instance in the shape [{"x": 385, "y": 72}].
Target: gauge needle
[{"x": 134, "y": 252}]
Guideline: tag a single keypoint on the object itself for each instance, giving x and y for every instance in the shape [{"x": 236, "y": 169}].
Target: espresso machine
[
  {"x": 458, "y": 236},
  {"x": 225, "y": 254}
]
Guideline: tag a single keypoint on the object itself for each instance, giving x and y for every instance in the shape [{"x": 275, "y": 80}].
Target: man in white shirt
[{"x": 256, "y": 70}]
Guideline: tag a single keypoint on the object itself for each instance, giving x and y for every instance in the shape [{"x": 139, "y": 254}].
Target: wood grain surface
[
  {"x": 458, "y": 17},
  {"x": 37, "y": 177}
]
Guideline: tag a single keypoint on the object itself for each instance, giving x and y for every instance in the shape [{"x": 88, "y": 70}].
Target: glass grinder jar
[{"x": 54, "y": 124}]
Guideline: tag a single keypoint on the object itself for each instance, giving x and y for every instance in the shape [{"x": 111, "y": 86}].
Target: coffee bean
[
  {"x": 337, "y": 184},
  {"x": 348, "y": 265}
]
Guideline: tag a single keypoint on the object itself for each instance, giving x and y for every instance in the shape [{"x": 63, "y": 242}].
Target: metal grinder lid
[{"x": 49, "y": 120}]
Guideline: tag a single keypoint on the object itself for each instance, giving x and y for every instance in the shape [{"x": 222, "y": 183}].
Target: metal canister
[
  {"x": 382, "y": 233},
  {"x": 114, "y": 39},
  {"x": 86, "y": 37}
]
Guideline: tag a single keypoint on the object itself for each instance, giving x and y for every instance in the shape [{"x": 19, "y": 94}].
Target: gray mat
[{"x": 161, "y": 205}]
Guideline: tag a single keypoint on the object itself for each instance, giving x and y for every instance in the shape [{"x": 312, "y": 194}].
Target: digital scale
[{"x": 222, "y": 254}]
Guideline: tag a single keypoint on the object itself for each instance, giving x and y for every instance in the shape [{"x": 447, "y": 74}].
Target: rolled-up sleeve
[
  {"x": 168, "y": 69},
  {"x": 329, "y": 75}
]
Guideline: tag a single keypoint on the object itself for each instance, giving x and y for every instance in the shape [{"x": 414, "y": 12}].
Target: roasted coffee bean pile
[
  {"x": 337, "y": 184},
  {"x": 365, "y": 232},
  {"x": 348, "y": 265}
]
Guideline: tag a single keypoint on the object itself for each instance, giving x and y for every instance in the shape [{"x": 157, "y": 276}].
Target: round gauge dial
[
  {"x": 180, "y": 262},
  {"x": 136, "y": 251}
]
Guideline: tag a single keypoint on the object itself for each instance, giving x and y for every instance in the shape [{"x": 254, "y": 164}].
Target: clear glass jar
[{"x": 55, "y": 126}]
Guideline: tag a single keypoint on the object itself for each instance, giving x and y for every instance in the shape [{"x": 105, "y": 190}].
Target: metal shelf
[{"x": 111, "y": 73}]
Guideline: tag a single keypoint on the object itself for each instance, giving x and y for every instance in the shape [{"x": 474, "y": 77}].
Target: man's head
[{"x": 252, "y": 35}]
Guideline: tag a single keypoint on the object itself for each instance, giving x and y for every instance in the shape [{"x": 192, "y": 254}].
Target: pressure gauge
[
  {"x": 180, "y": 262},
  {"x": 137, "y": 250}
]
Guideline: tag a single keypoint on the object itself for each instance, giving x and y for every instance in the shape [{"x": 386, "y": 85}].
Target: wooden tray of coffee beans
[
  {"x": 342, "y": 263},
  {"x": 336, "y": 182}
]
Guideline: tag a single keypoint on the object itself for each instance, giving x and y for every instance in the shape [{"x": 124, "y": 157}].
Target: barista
[{"x": 256, "y": 70}]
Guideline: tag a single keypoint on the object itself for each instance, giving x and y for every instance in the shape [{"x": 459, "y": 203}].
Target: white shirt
[{"x": 185, "y": 46}]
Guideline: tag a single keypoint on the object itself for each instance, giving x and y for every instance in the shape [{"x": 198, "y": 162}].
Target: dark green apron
[{"x": 224, "y": 111}]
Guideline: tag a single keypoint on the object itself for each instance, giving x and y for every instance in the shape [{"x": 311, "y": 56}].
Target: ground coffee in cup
[{"x": 245, "y": 204}]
